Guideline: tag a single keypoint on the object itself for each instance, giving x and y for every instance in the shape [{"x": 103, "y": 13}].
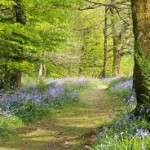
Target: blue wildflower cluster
[
  {"x": 74, "y": 81},
  {"x": 36, "y": 101},
  {"x": 49, "y": 95},
  {"x": 124, "y": 84},
  {"x": 126, "y": 132},
  {"x": 123, "y": 88},
  {"x": 108, "y": 80}
]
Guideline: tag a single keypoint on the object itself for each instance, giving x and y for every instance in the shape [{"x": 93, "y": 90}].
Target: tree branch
[{"x": 99, "y": 4}]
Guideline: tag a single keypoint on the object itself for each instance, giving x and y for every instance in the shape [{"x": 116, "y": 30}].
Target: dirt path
[{"x": 70, "y": 129}]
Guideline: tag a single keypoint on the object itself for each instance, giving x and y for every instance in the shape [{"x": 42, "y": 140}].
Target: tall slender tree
[{"x": 105, "y": 32}]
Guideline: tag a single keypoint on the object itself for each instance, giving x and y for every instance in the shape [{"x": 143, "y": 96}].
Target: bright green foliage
[
  {"x": 45, "y": 30},
  {"x": 90, "y": 42},
  {"x": 15, "y": 41},
  {"x": 52, "y": 26},
  {"x": 18, "y": 43}
]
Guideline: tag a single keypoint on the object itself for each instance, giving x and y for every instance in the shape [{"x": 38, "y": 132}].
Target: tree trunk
[
  {"x": 81, "y": 65},
  {"x": 116, "y": 42},
  {"x": 116, "y": 62},
  {"x": 105, "y": 61},
  {"x": 70, "y": 69},
  {"x": 42, "y": 73},
  {"x": 15, "y": 77},
  {"x": 20, "y": 12},
  {"x": 141, "y": 28}
]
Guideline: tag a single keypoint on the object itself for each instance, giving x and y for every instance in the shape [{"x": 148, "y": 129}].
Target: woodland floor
[{"x": 70, "y": 128}]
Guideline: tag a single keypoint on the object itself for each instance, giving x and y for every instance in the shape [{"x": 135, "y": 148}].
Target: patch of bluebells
[
  {"x": 125, "y": 85},
  {"x": 58, "y": 81},
  {"x": 73, "y": 83},
  {"x": 129, "y": 128},
  {"x": 108, "y": 79},
  {"x": 142, "y": 133},
  {"x": 49, "y": 95},
  {"x": 73, "y": 80},
  {"x": 121, "y": 130},
  {"x": 5, "y": 113}
]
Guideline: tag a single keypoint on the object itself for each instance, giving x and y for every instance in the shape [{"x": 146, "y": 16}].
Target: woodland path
[{"x": 70, "y": 129}]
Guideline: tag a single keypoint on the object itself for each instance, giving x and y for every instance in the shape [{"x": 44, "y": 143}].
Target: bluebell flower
[{"x": 142, "y": 133}]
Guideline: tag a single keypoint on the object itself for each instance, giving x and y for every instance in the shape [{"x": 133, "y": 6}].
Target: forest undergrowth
[
  {"x": 65, "y": 115},
  {"x": 73, "y": 113},
  {"x": 126, "y": 132}
]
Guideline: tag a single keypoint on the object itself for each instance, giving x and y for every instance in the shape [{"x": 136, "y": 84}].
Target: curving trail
[{"x": 70, "y": 129}]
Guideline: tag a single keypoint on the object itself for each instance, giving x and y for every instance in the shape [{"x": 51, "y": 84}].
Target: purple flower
[
  {"x": 142, "y": 133},
  {"x": 117, "y": 125},
  {"x": 109, "y": 79},
  {"x": 126, "y": 84}
]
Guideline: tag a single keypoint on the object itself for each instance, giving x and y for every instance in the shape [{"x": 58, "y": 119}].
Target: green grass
[{"x": 8, "y": 125}]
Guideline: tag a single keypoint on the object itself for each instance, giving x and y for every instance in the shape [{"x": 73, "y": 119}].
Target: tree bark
[
  {"x": 105, "y": 59},
  {"x": 15, "y": 77},
  {"x": 81, "y": 65},
  {"x": 141, "y": 28},
  {"x": 116, "y": 42},
  {"x": 20, "y": 12},
  {"x": 42, "y": 73}
]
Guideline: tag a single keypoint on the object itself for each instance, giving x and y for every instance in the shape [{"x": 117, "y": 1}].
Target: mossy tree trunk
[{"x": 141, "y": 28}]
